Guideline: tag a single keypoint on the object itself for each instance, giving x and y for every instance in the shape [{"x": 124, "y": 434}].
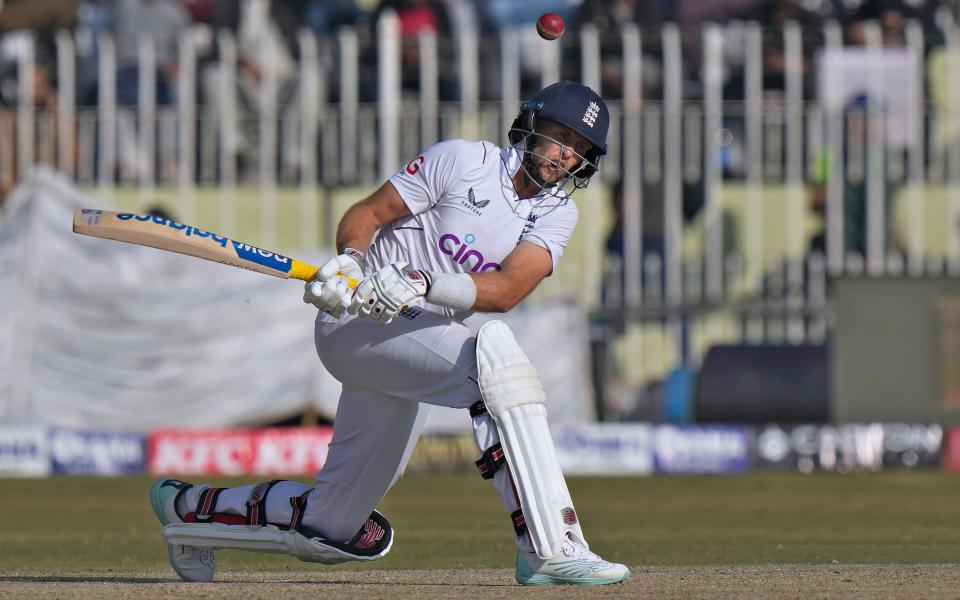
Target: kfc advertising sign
[{"x": 255, "y": 452}]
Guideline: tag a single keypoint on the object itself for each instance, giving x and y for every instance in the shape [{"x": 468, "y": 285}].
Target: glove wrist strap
[{"x": 356, "y": 255}]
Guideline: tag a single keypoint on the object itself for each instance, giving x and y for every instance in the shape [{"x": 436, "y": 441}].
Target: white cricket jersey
[{"x": 467, "y": 215}]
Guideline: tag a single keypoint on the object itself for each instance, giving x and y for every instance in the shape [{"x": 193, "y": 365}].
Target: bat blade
[{"x": 166, "y": 234}]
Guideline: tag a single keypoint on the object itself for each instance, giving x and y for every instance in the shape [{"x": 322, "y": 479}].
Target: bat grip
[
  {"x": 305, "y": 272},
  {"x": 302, "y": 271}
]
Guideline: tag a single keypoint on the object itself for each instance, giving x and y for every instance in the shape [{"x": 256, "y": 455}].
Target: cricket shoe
[
  {"x": 573, "y": 565},
  {"x": 190, "y": 562}
]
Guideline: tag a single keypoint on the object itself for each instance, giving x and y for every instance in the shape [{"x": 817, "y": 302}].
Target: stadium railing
[{"x": 718, "y": 202}]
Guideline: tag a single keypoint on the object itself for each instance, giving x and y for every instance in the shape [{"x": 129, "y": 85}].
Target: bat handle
[{"x": 305, "y": 272}]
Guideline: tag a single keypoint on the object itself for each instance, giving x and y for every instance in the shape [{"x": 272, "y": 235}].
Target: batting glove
[
  {"x": 330, "y": 291},
  {"x": 384, "y": 294}
]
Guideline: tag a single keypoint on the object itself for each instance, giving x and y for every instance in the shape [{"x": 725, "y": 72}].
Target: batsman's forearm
[
  {"x": 357, "y": 228},
  {"x": 498, "y": 292}
]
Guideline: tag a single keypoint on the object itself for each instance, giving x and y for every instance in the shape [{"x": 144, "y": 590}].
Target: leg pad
[
  {"x": 373, "y": 541},
  {"x": 514, "y": 398}
]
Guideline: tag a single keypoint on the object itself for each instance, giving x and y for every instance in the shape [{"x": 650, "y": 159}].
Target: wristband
[
  {"x": 356, "y": 255},
  {"x": 453, "y": 290}
]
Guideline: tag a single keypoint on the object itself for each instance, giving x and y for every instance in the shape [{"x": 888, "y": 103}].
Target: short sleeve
[
  {"x": 553, "y": 229},
  {"x": 424, "y": 180}
]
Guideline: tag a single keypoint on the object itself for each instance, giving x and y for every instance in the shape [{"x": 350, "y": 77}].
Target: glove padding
[
  {"x": 330, "y": 291},
  {"x": 384, "y": 294}
]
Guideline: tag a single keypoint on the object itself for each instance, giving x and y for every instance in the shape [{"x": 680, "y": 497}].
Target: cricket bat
[{"x": 166, "y": 234}]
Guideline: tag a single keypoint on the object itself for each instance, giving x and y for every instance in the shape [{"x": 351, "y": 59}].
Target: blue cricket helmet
[{"x": 576, "y": 107}]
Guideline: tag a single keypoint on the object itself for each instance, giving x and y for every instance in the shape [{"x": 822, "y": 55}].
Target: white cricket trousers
[{"x": 391, "y": 375}]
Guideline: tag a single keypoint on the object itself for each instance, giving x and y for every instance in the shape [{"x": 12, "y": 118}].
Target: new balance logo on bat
[
  {"x": 248, "y": 252},
  {"x": 262, "y": 257},
  {"x": 186, "y": 230}
]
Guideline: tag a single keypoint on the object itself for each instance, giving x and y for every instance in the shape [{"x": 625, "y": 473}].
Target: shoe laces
[{"x": 573, "y": 549}]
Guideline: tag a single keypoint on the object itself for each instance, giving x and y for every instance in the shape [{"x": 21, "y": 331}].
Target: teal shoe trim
[
  {"x": 526, "y": 576},
  {"x": 158, "y": 497}
]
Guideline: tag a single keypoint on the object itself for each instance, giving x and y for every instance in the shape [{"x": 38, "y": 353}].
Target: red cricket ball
[{"x": 550, "y": 26}]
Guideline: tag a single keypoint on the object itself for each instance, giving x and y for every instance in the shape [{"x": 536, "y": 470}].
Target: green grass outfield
[{"x": 105, "y": 526}]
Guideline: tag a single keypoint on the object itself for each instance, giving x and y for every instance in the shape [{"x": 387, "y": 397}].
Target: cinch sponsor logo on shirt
[{"x": 461, "y": 253}]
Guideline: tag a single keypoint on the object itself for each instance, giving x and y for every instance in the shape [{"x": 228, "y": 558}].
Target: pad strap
[
  {"x": 491, "y": 461},
  {"x": 207, "y": 505},
  {"x": 257, "y": 504},
  {"x": 299, "y": 504},
  {"x": 182, "y": 486},
  {"x": 519, "y": 523},
  {"x": 478, "y": 408}
]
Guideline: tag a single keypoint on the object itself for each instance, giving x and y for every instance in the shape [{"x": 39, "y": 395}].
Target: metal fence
[{"x": 740, "y": 268}]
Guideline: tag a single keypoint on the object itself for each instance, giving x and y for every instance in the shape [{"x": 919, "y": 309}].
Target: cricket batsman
[{"x": 465, "y": 227}]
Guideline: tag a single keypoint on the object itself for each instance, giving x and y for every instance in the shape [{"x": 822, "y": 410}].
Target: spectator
[
  {"x": 892, "y": 16},
  {"x": 325, "y": 17},
  {"x": 774, "y": 17},
  {"x": 42, "y": 16},
  {"x": 43, "y": 92},
  {"x": 201, "y": 11},
  {"x": 417, "y": 16},
  {"x": 692, "y": 15},
  {"x": 160, "y": 21},
  {"x": 266, "y": 33},
  {"x": 608, "y": 17},
  {"x": 855, "y": 192}
]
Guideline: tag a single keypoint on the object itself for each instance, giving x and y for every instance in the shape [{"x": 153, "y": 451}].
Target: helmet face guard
[
  {"x": 574, "y": 106},
  {"x": 579, "y": 176}
]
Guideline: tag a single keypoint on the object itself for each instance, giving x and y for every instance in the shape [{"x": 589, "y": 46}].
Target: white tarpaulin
[{"x": 101, "y": 334}]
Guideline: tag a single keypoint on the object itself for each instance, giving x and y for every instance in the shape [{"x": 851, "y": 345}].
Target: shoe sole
[
  {"x": 156, "y": 503},
  {"x": 550, "y": 580}
]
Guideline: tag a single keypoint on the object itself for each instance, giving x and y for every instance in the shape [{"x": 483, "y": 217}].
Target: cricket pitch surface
[
  {"x": 770, "y": 581},
  {"x": 891, "y": 534}
]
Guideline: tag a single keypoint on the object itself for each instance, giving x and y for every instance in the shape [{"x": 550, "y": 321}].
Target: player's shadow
[{"x": 350, "y": 582}]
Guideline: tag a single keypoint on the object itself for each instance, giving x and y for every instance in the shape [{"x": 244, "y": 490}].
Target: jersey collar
[{"x": 511, "y": 157}]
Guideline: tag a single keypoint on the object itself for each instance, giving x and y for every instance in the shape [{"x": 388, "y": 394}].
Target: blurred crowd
[
  {"x": 266, "y": 27},
  {"x": 267, "y": 33}
]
